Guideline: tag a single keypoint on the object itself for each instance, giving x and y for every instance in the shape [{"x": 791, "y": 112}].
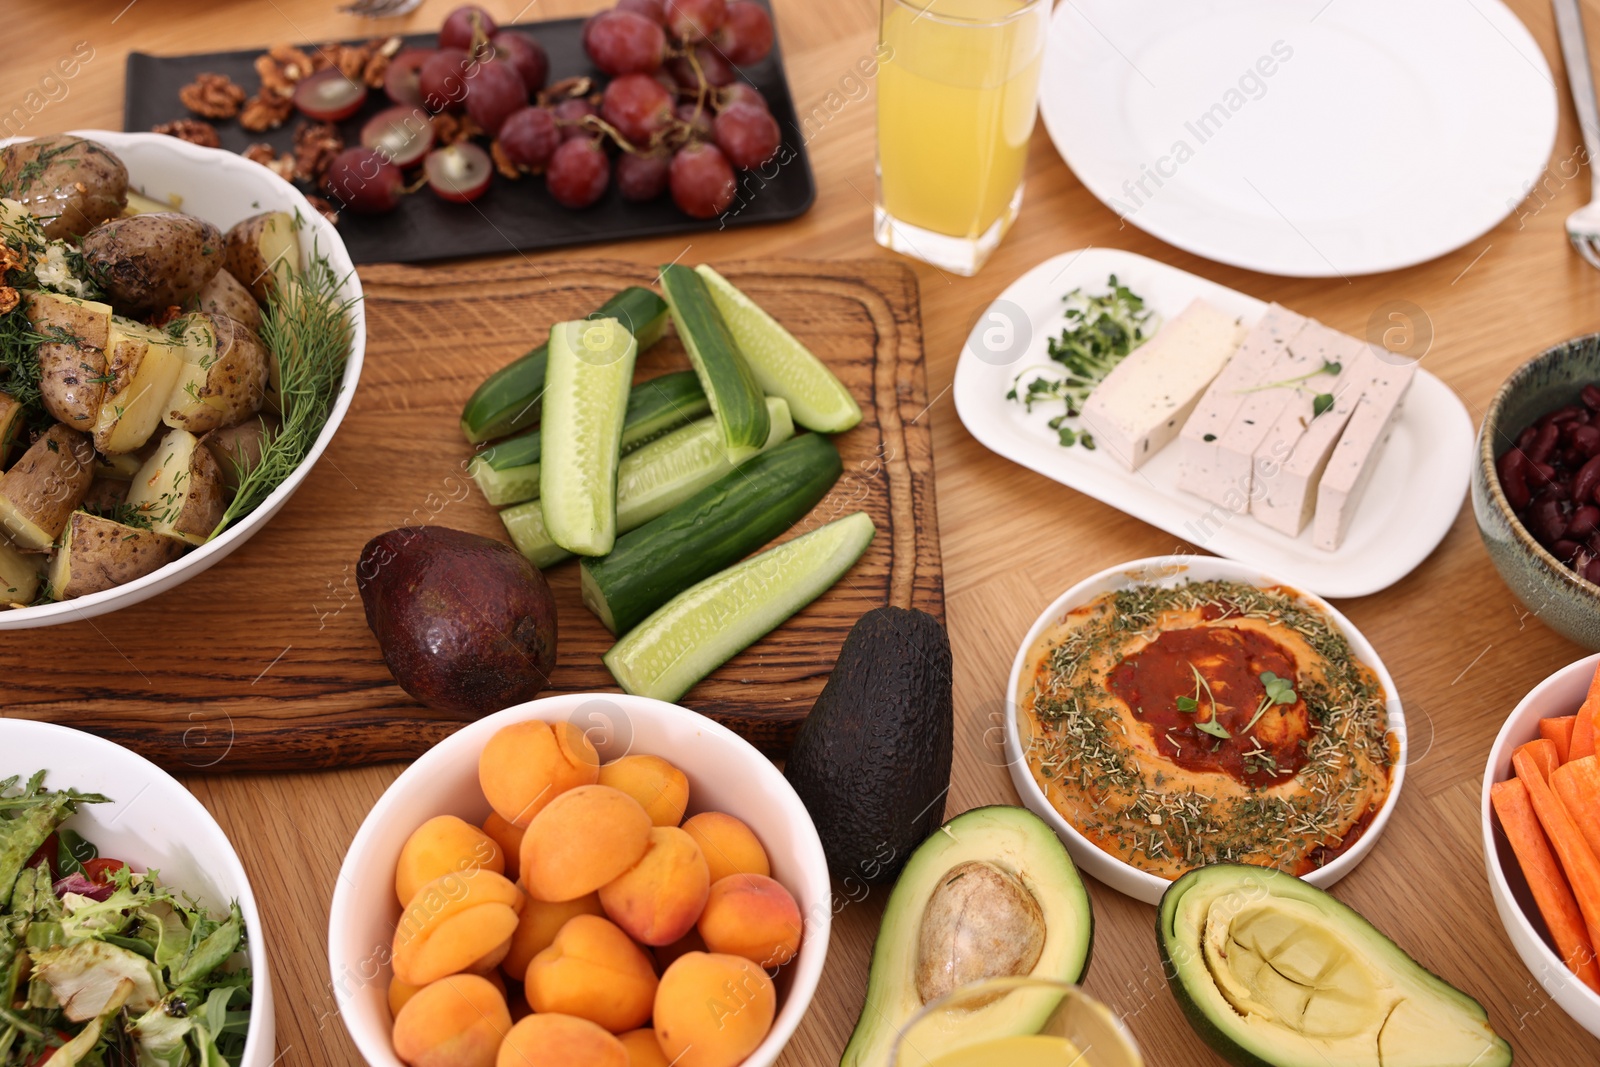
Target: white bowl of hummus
[{"x": 1184, "y": 710}]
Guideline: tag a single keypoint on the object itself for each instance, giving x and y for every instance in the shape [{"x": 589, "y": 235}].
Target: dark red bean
[
  {"x": 1586, "y": 480},
  {"x": 1566, "y": 414},
  {"x": 1546, "y": 521},
  {"x": 1526, "y": 437},
  {"x": 1585, "y": 438},
  {"x": 1591, "y": 397},
  {"x": 1540, "y": 475},
  {"x": 1593, "y": 544},
  {"x": 1512, "y": 468},
  {"x": 1584, "y": 521},
  {"x": 1564, "y": 550},
  {"x": 1592, "y": 571},
  {"x": 1545, "y": 443}
]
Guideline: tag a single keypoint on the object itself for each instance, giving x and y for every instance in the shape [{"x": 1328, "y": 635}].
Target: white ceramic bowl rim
[
  {"x": 213, "y": 164},
  {"x": 1168, "y": 570}
]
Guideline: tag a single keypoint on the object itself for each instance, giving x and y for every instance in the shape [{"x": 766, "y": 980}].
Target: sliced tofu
[
  {"x": 1355, "y": 457},
  {"x": 1140, "y": 406},
  {"x": 1199, "y": 440},
  {"x": 143, "y": 363}
]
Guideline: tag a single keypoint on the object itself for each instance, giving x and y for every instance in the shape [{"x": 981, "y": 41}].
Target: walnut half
[
  {"x": 212, "y": 96},
  {"x": 192, "y": 130}
]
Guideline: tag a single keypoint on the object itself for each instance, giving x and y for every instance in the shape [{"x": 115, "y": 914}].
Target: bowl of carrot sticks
[{"x": 1541, "y": 836}]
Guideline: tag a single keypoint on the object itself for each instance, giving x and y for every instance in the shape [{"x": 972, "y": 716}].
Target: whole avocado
[
  {"x": 872, "y": 760},
  {"x": 465, "y": 623}
]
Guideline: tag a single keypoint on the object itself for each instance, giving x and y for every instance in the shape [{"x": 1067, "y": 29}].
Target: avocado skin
[{"x": 872, "y": 760}]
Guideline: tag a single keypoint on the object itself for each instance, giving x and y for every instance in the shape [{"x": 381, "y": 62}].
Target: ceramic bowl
[
  {"x": 725, "y": 774},
  {"x": 1168, "y": 571},
  {"x": 152, "y": 823},
  {"x": 221, "y": 188},
  {"x": 1563, "y": 600},
  {"x": 1559, "y": 694}
]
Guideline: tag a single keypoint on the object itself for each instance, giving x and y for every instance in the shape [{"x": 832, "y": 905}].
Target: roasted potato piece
[
  {"x": 19, "y": 575},
  {"x": 226, "y": 295},
  {"x": 72, "y": 358},
  {"x": 155, "y": 261},
  {"x": 179, "y": 489},
  {"x": 224, "y": 375},
  {"x": 237, "y": 449},
  {"x": 69, "y": 184},
  {"x": 142, "y": 363},
  {"x": 261, "y": 249},
  {"x": 44, "y": 487},
  {"x": 105, "y": 493},
  {"x": 97, "y": 553},
  {"x": 10, "y": 426}
]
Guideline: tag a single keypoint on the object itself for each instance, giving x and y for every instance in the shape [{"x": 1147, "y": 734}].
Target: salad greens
[{"x": 103, "y": 967}]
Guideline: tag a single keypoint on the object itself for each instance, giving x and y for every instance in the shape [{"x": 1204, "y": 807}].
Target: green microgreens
[
  {"x": 1320, "y": 403},
  {"x": 1213, "y": 727},
  {"x": 1328, "y": 367},
  {"x": 1279, "y": 691},
  {"x": 1192, "y": 704}
]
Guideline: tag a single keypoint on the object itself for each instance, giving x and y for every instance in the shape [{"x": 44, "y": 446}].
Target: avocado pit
[{"x": 981, "y": 922}]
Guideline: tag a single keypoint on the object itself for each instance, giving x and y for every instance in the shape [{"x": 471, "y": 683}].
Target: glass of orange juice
[
  {"x": 1052, "y": 1024},
  {"x": 958, "y": 85}
]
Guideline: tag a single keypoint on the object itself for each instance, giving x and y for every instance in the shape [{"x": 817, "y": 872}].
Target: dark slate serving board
[{"x": 511, "y": 216}]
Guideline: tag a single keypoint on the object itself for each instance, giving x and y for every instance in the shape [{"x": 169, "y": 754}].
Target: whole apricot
[
  {"x": 504, "y": 834},
  {"x": 729, "y": 846},
  {"x": 595, "y": 972},
  {"x": 659, "y": 787},
  {"x": 752, "y": 916},
  {"x": 658, "y": 899},
  {"x": 643, "y": 1049},
  {"x": 560, "y": 1041},
  {"x": 453, "y": 923},
  {"x": 458, "y": 1021},
  {"x": 399, "y": 993},
  {"x": 538, "y": 926},
  {"x": 582, "y": 839},
  {"x": 528, "y": 764},
  {"x": 713, "y": 1010},
  {"x": 443, "y": 844}
]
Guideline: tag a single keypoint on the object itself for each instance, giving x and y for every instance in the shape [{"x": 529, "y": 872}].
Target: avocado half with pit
[
  {"x": 1273, "y": 972},
  {"x": 991, "y": 894}
]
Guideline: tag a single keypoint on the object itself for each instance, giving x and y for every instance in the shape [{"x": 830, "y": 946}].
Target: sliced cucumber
[
  {"x": 650, "y": 481},
  {"x": 508, "y": 473},
  {"x": 586, "y": 393},
  {"x": 508, "y": 400},
  {"x": 715, "y": 528},
  {"x": 782, "y": 365},
  {"x": 736, "y": 398},
  {"x": 704, "y": 626}
]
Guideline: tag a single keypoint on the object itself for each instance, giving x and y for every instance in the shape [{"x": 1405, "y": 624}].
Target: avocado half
[
  {"x": 1273, "y": 972},
  {"x": 1020, "y": 845}
]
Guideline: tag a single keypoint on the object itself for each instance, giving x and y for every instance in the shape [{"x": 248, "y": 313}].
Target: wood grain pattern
[
  {"x": 1461, "y": 649},
  {"x": 398, "y": 460}
]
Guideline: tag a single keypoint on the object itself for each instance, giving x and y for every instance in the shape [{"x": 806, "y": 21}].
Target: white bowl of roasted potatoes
[{"x": 180, "y": 336}]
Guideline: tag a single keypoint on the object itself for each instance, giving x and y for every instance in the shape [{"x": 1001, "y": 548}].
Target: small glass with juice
[
  {"x": 958, "y": 84},
  {"x": 1072, "y": 1029}
]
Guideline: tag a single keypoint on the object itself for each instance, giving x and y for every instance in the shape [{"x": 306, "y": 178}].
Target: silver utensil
[
  {"x": 379, "y": 9},
  {"x": 1583, "y": 225}
]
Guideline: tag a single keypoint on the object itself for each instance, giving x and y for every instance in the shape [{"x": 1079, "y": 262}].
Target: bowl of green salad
[{"x": 128, "y": 932}]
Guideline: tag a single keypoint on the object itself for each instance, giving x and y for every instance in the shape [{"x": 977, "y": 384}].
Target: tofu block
[
  {"x": 1203, "y": 430},
  {"x": 1139, "y": 407},
  {"x": 1356, "y": 455}
]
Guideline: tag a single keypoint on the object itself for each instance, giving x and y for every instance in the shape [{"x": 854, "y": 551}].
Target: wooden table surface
[{"x": 1461, "y": 648}]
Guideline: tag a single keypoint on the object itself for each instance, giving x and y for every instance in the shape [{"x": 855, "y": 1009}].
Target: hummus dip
[{"x": 1206, "y": 722}]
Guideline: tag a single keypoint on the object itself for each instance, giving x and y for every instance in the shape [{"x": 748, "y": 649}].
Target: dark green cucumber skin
[
  {"x": 654, "y": 407},
  {"x": 740, "y": 405},
  {"x": 508, "y": 400},
  {"x": 712, "y": 530}
]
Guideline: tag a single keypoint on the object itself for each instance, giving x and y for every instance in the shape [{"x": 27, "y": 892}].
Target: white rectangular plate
[{"x": 1416, "y": 491}]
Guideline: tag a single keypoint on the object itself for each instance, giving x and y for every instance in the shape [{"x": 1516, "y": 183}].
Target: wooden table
[{"x": 1462, "y": 649}]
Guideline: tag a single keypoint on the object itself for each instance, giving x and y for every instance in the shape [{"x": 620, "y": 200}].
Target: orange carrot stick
[
  {"x": 1541, "y": 754},
  {"x": 1577, "y": 859},
  {"x": 1550, "y": 889},
  {"x": 1578, "y": 785},
  {"x": 1583, "y": 735},
  {"x": 1559, "y": 730}
]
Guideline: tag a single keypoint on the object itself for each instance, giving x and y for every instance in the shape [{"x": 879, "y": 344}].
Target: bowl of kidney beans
[{"x": 1536, "y": 489}]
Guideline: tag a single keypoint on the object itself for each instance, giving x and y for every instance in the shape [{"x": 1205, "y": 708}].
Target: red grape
[
  {"x": 654, "y": 10},
  {"x": 328, "y": 96},
  {"x": 747, "y": 135},
  {"x": 458, "y": 172},
  {"x": 695, "y": 20},
  {"x": 741, "y": 93},
  {"x": 530, "y": 137},
  {"x": 362, "y": 180},
  {"x": 642, "y": 176},
  {"x": 746, "y": 37},
  {"x": 570, "y": 115},
  {"x": 578, "y": 173},
  {"x": 698, "y": 121},
  {"x": 403, "y": 80},
  {"x": 494, "y": 91},
  {"x": 637, "y": 106},
  {"x": 460, "y": 25},
  {"x": 401, "y": 134},
  {"x": 527, "y": 55},
  {"x": 702, "y": 181},
  {"x": 443, "y": 80},
  {"x": 714, "y": 70},
  {"x": 625, "y": 42}
]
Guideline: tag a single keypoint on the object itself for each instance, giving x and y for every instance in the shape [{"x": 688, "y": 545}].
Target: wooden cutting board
[{"x": 265, "y": 661}]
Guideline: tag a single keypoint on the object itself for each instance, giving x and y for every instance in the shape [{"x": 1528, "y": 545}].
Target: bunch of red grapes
[{"x": 674, "y": 116}]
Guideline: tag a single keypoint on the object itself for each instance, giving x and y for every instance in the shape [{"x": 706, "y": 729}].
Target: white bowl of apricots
[{"x": 585, "y": 880}]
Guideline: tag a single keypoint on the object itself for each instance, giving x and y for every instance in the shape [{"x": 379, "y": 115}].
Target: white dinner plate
[
  {"x": 1415, "y": 492},
  {"x": 1311, "y": 138}
]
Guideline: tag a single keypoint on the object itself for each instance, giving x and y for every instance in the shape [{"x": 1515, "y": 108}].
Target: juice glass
[
  {"x": 1062, "y": 1027},
  {"x": 958, "y": 86}
]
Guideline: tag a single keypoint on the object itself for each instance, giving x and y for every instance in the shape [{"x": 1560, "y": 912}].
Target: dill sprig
[{"x": 307, "y": 329}]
